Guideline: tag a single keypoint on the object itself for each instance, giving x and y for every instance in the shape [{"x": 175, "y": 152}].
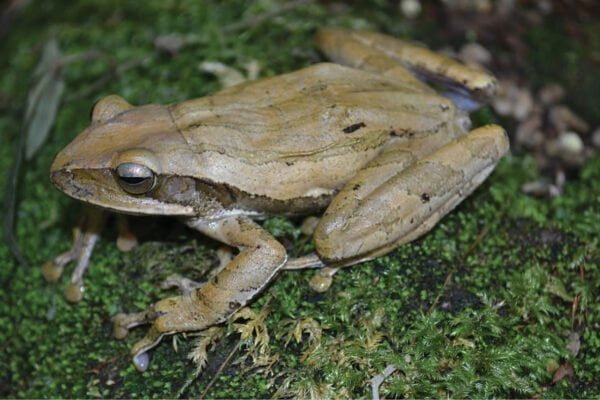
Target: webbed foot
[{"x": 168, "y": 316}]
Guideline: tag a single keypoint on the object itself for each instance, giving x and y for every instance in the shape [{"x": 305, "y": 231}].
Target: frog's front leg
[
  {"x": 259, "y": 259},
  {"x": 379, "y": 210},
  {"x": 85, "y": 236}
]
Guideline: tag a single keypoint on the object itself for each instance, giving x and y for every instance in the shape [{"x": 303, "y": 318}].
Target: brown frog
[{"x": 365, "y": 142}]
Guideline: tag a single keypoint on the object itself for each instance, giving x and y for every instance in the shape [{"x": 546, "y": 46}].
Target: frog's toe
[
  {"x": 52, "y": 271},
  {"x": 74, "y": 292},
  {"x": 323, "y": 279},
  {"x": 141, "y": 358},
  {"x": 126, "y": 243},
  {"x": 141, "y": 361},
  {"x": 120, "y": 331},
  {"x": 123, "y": 322},
  {"x": 126, "y": 238}
]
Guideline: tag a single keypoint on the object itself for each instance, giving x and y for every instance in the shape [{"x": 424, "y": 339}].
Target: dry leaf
[
  {"x": 43, "y": 98},
  {"x": 564, "y": 371},
  {"x": 574, "y": 343}
]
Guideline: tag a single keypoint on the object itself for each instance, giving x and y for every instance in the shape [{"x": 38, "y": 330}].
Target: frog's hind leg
[
  {"x": 467, "y": 86},
  {"x": 379, "y": 209},
  {"x": 345, "y": 47}
]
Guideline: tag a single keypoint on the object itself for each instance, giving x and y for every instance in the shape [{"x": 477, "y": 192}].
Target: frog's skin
[{"x": 362, "y": 140}]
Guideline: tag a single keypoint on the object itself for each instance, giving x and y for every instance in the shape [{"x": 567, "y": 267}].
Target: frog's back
[{"x": 304, "y": 133}]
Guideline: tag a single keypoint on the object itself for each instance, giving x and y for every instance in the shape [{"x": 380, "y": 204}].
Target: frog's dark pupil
[{"x": 132, "y": 180}]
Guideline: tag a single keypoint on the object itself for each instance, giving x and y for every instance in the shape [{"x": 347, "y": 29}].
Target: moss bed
[{"x": 485, "y": 305}]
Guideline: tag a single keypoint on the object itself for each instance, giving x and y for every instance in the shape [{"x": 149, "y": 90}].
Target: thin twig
[
  {"x": 221, "y": 368},
  {"x": 89, "y": 55},
  {"x": 9, "y": 15},
  {"x": 378, "y": 379},
  {"x": 233, "y": 351},
  {"x": 259, "y": 19},
  {"x": 115, "y": 71},
  {"x": 474, "y": 245},
  {"x": 10, "y": 201}
]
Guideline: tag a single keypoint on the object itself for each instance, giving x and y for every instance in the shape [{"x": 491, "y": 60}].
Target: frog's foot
[
  {"x": 168, "y": 316},
  {"x": 185, "y": 285},
  {"x": 84, "y": 239},
  {"x": 323, "y": 279},
  {"x": 52, "y": 270},
  {"x": 124, "y": 322},
  {"x": 79, "y": 252}
]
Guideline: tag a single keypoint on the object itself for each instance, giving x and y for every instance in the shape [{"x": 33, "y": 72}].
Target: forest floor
[{"x": 500, "y": 299}]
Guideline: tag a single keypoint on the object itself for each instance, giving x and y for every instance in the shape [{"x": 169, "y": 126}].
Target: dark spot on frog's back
[
  {"x": 354, "y": 127},
  {"x": 425, "y": 198}
]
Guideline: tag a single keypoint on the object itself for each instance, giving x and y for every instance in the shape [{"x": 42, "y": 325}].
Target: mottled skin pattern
[{"x": 362, "y": 140}]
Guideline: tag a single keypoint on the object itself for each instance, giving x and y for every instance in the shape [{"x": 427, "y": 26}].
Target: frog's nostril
[
  {"x": 62, "y": 179},
  {"x": 57, "y": 177}
]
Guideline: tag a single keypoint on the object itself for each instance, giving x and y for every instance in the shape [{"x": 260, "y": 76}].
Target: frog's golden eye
[{"x": 135, "y": 178}]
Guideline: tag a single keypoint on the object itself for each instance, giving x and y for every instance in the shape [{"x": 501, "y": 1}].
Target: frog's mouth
[{"x": 98, "y": 187}]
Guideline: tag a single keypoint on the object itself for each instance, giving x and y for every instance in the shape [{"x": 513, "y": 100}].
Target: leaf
[
  {"x": 564, "y": 371},
  {"x": 42, "y": 104},
  {"x": 228, "y": 76},
  {"x": 574, "y": 343},
  {"x": 557, "y": 288},
  {"x": 43, "y": 99}
]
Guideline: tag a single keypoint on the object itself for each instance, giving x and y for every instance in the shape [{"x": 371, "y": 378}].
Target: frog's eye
[{"x": 135, "y": 178}]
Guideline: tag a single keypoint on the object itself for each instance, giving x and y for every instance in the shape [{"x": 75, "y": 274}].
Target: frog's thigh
[
  {"x": 342, "y": 44},
  {"x": 361, "y": 224}
]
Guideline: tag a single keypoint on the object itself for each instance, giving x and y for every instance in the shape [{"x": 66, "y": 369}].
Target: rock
[
  {"x": 474, "y": 53},
  {"x": 410, "y": 8},
  {"x": 551, "y": 94},
  {"x": 564, "y": 119}
]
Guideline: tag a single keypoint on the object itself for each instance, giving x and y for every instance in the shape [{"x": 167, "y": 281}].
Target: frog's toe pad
[
  {"x": 120, "y": 329},
  {"x": 52, "y": 271},
  {"x": 123, "y": 322},
  {"x": 74, "y": 292},
  {"x": 141, "y": 361},
  {"x": 127, "y": 242},
  {"x": 320, "y": 283}
]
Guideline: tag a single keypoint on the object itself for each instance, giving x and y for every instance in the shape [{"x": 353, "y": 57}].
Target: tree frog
[{"x": 364, "y": 140}]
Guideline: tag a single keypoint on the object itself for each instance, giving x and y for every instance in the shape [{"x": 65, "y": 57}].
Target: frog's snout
[{"x": 60, "y": 177}]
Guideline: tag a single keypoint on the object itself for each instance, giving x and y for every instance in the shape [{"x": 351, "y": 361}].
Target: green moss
[{"x": 480, "y": 307}]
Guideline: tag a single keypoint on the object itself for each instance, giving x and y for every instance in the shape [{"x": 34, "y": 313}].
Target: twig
[
  {"x": 9, "y": 15},
  {"x": 377, "y": 380},
  {"x": 228, "y": 359},
  {"x": 86, "y": 56},
  {"x": 221, "y": 368},
  {"x": 475, "y": 243},
  {"x": 10, "y": 202},
  {"x": 114, "y": 72},
  {"x": 259, "y": 19}
]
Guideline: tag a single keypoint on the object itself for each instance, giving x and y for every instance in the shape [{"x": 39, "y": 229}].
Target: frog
[{"x": 366, "y": 141}]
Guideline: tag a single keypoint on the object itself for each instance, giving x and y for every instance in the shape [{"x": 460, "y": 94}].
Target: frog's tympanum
[{"x": 363, "y": 140}]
